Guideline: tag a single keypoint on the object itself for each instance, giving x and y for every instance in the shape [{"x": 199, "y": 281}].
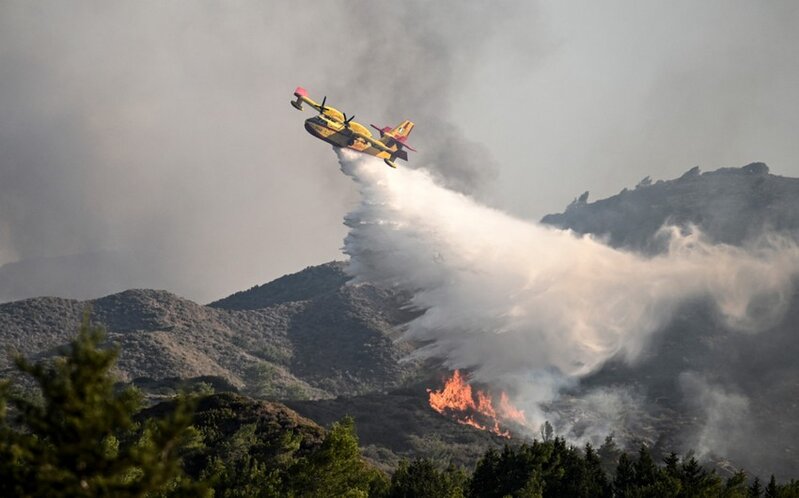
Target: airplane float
[{"x": 336, "y": 128}]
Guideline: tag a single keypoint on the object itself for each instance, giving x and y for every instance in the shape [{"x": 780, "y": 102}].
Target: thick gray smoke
[
  {"x": 162, "y": 131},
  {"x": 427, "y": 50},
  {"x": 727, "y": 423},
  {"x": 159, "y": 136},
  {"x": 533, "y": 308}
]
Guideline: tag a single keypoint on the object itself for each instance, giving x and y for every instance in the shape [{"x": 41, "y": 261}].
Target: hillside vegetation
[
  {"x": 312, "y": 341},
  {"x": 328, "y": 349},
  {"x": 83, "y": 438}
]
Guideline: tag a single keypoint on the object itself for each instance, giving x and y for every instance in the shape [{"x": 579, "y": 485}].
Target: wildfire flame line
[{"x": 474, "y": 407}]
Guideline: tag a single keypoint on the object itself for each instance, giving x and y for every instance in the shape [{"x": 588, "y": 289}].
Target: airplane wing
[
  {"x": 303, "y": 98},
  {"x": 406, "y": 145},
  {"x": 374, "y": 143},
  {"x": 401, "y": 140}
]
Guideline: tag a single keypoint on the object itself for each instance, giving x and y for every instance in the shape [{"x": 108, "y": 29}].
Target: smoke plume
[
  {"x": 532, "y": 308},
  {"x": 159, "y": 135}
]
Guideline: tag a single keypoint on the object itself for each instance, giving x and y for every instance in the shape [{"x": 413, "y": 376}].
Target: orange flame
[
  {"x": 510, "y": 412},
  {"x": 456, "y": 395},
  {"x": 457, "y": 400}
]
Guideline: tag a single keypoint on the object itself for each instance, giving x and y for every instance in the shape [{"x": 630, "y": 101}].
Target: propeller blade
[{"x": 322, "y": 106}]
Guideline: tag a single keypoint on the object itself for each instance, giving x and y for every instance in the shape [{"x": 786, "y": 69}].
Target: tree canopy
[{"x": 70, "y": 431}]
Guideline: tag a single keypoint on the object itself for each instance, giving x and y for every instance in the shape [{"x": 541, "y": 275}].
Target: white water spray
[{"x": 531, "y": 307}]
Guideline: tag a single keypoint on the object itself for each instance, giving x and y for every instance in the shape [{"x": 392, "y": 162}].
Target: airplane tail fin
[
  {"x": 402, "y": 130},
  {"x": 397, "y": 135}
]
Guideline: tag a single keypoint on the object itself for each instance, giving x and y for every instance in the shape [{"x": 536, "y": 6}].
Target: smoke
[
  {"x": 426, "y": 52},
  {"x": 161, "y": 133},
  {"x": 533, "y": 308},
  {"x": 589, "y": 417},
  {"x": 163, "y": 130},
  {"x": 725, "y": 416},
  {"x": 142, "y": 131}
]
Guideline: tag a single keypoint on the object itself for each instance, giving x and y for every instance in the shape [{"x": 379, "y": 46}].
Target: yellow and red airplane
[{"x": 336, "y": 128}]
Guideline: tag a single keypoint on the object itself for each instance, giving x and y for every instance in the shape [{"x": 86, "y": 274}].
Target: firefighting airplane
[{"x": 336, "y": 128}]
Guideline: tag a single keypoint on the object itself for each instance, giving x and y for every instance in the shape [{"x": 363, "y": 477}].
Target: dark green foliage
[
  {"x": 262, "y": 449},
  {"x": 486, "y": 474},
  {"x": 672, "y": 465},
  {"x": 336, "y": 468},
  {"x": 83, "y": 437},
  {"x": 236, "y": 471},
  {"x": 646, "y": 473},
  {"x": 696, "y": 481},
  {"x": 771, "y": 488},
  {"x": 554, "y": 469},
  {"x": 609, "y": 454},
  {"x": 79, "y": 438},
  {"x": 514, "y": 472},
  {"x": 624, "y": 483},
  {"x": 736, "y": 485},
  {"x": 548, "y": 468},
  {"x": 755, "y": 490},
  {"x": 789, "y": 490},
  {"x": 422, "y": 479},
  {"x": 596, "y": 481}
]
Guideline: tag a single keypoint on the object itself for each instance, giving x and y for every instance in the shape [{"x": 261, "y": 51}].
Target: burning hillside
[{"x": 475, "y": 407}]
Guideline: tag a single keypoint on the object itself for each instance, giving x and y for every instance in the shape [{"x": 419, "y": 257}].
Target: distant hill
[
  {"x": 227, "y": 413},
  {"x": 730, "y": 205},
  {"x": 329, "y": 348},
  {"x": 704, "y": 387},
  {"x": 318, "y": 340},
  {"x": 310, "y": 283}
]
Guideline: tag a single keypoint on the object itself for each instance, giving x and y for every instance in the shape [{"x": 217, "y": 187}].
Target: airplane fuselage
[
  {"x": 335, "y": 128},
  {"x": 335, "y": 133}
]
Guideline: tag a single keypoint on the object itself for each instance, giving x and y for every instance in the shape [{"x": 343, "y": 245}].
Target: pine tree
[
  {"x": 696, "y": 481},
  {"x": 485, "y": 477},
  {"x": 336, "y": 468},
  {"x": 672, "y": 465},
  {"x": 646, "y": 472},
  {"x": 624, "y": 483},
  {"x": 771, "y": 488},
  {"x": 609, "y": 454},
  {"x": 597, "y": 481},
  {"x": 236, "y": 472},
  {"x": 736, "y": 485},
  {"x": 421, "y": 479},
  {"x": 80, "y": 438},
  {"x": 755, "y": 489}
]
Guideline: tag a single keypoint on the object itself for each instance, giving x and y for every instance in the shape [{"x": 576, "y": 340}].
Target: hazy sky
[{"x": 164, "y": 130}]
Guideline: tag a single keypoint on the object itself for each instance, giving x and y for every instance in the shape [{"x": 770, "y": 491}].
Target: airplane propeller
[
  {"x": 322, "y": 107},
  {"x": 347, "y": 120}
]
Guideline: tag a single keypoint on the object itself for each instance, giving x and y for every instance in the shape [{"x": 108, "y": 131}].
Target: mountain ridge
[
  {"x": 730, "y": 205},
  {"x": 312, "y": 336},
  {"x": 327, "y": 344}
]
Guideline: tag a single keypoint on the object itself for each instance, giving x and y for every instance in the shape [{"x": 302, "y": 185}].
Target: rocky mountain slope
[
  {"x": 730, "y": 205},
  {"x": 309, "y": 336},
  {"x": 315, "y": 341},
  {"x": 700, "y": 386}
]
